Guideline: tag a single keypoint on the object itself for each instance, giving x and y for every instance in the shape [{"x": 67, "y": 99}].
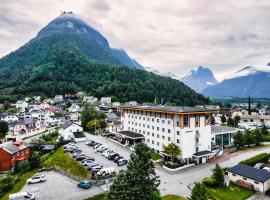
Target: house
[
  {"x": 10, "y": 152},
  {"x": 256, "y": 119},
  {"x": 250, "y": 177},
  {"x": 187, "y": 127},
  {"x": 72, "y": 131},
  {"x": 105, "y": 101},
  {"x": 8, "y": 117},
  {"x": 90, "y": 99},
  {"x": 54, "y": 121},
  {"x": 74, "y": 108},
  {"x": 58, "y": 98},
  {"x": 239, "y": 112},
  {"x": 22, "y": 105},
  {"x": 75, "y": 117},
  {"x": 113, "y": 123},
  {"x": 27, "y": 126}
]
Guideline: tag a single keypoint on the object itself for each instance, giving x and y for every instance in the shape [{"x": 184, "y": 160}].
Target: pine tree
[
  {"x": 139, "y": 181},
  {"x": 218, "y": 175},
  {"x": 223, "y": 119},
  {"x": 199, "y": 192}
]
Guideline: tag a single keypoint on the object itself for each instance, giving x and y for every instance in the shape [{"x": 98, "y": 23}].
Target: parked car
[
  {"x": 100, "y": 148},
  {"x": 21, "y": 196},
  {"x": 97, "y": 145},
  {"x": 89, "y": 167},
  {"x": 36, "y": 179},
  {"x": 259, "y": 165},
  {"x": 96, "y": 169},
  {"x": 88, "y": 158},
  {"x": 74, "y": 155},
  {"x": 85, "y": 184},
  {"x": 116, "y": 158},
  {"x": 112, "y": 156},
  {"x": 87, "y": 162},
  {"x": 122, "y": 162},
  {"x": 106, "y": 171},
  {"x": 89, "y": 143},
  {"x": 106, "y": 152},
  {"x": 79, "y": 158},
  {"x": 266, "y": 169}
]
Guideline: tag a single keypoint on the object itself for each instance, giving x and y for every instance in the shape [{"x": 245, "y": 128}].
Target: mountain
[
  {"x": 199, "y": 79},
  {"x": 166, "y": 74},
  {"x": 60, "y": 61},
  {"x": 244, "y": 82},
  {"x": 70, "y": 29}
]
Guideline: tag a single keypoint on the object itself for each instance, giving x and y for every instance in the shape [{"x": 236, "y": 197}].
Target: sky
[{"x": 167, "y": 35}]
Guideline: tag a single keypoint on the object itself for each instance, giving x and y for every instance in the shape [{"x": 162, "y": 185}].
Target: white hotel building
[{"x": 187, "y": 127}]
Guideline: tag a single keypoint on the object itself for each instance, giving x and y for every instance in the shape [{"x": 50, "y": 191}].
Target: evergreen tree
[
  {"x": 198, "y": 192},
  {"x": 264, "y": 130},
  {"x": 230, "y": 122},
  {"x": 218, "y": 175},
  {"x": 236, "y": 120},
  {"x": 238, "y": 139},
  {"x": 139, "y": 181},
  {"x": 3, "y": 128},
  {"x": 212, "y": 120},
  {"x": 223, "y": 119},
  {"x": 258, "y": 137}
]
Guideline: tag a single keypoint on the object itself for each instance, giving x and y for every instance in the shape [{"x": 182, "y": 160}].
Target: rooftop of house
[
  {"x": 215, "y": 129},
  {"x": 169, "y": 109},
  {"x": 250, "y": 172},
  {"x": 14, "y": 147},
  {"x": 67, "y": 124}
]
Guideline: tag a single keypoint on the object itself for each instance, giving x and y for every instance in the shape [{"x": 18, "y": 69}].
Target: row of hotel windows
[
  {"x": 186, "y": 120},
  {"x": 153, "y": 142},
  {"x": 153, "y": 128},
  {"x": 163, "y": 130}
]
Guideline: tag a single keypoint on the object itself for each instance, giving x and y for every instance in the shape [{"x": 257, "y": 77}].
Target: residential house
[
  {"x": 58, "y": 98},
  {"x": 72, "y": 131},
  {"x": 8, "y": 117},
  {"x": 106, "y": 101},
  {"x": 10, "y": 152},
  {"x": 22, "y": 105},
  {"x": 74, "y": 108},
  {"x": 28, "y": 126},
  {"x": 90, "y": 99}
]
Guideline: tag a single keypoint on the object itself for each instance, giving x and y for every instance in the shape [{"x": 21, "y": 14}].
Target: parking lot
[{"x": 60, "y": 187}]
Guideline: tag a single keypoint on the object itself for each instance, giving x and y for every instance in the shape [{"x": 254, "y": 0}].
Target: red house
[{"x": 10, "y": 152}]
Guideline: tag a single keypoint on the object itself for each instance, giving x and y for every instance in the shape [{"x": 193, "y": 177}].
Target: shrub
[
  {"x": 21, "y": 166},
  {"x": 173, "y": 165},
  {"x": 208, "y": 181},
  {"x": 260, "y": 158}
]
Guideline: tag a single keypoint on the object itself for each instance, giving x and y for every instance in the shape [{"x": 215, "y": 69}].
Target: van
[
  {"x": 22, "y": 196},
  {"x": 106, "y": 171}
]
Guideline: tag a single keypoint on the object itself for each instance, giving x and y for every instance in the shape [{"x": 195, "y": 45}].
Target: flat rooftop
[
  {"x": 215, "y": 129},
  {"x": 169, "y": 109},
  {"x": 131, "y": 135}
]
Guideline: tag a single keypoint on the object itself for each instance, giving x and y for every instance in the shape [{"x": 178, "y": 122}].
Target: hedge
[{"x": 260, "y": 158}]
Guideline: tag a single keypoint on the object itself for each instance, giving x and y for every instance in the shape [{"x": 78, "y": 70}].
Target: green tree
[
  {"x": 212, "y": 120},
  {"x": 198, "y": 192},
  {"x": 258, "y": 137},
  {"x": 223, "y": 119},
  {"x": 236, "y": 120},
  {"x": 34, "y": 160},
  {"x": 21, "y": 166},
  {"x": 3, "y": 128},
  {"x": 230, "y": 122},
  {"x": 139, "y": 181},
  {"x": 264, "y": 130},
  {"x": 172, "y": 150},
  {"x": 238, "y": 139},
  {"x": 218, "y": 175},
  {"x": 248, "y": 138},
  {"x": 93, "y": 124},
  {"x": 259, "y": 105}
]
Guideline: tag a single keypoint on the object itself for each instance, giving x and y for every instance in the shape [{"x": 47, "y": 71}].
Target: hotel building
[{"x": 187, "y": 127}]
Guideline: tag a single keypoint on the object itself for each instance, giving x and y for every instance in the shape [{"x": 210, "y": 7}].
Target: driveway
[{"x": 59, "y": 187}]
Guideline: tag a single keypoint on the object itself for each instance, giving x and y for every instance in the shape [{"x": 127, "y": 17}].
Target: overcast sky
[{"x": 168, "y": 35}]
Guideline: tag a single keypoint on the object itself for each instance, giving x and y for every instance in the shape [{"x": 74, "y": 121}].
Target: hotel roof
[{"x": 169, "y": 109}]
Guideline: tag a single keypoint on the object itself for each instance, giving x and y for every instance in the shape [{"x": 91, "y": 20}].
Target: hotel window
[
  {"x": 153, "y": 142},
  {"x": 132, "y": 129},
  {"x": 148, "y": 119},
  {"x": 153, "y": 134},
  {"x": 153, "y": 119},
  {"x": 140, "y": 131},
  {"x": 178, "y": 132},
  {"x": 129, "y": 128},
  {"x": 197, "y": 120},
  {"x": 157, "y": 143},
  {"x": 169, "y": 130},
  {"x": 140, "y": 117},
  {"x": 157, "y": 135},
  {"x": 163, "y": 121},
  {"x": 131, "y": 116},
  {"x": 143, "y": 132},
  {"x": 169, "y": 139},
  {"x": 135, "y": 130},
  {"x": 178, "y": 141},
  {"x": 128, "y": 115},
  {"x": 157, "y": 128},
  {"x": 148, "y": 133},
  {"x": 148, "y": 140},
  {"x": 148, "y": 126},
  {"x": 143, "y": 118},
  {"x": 157, "y": 120},
  {"x": 153, "y": 127},
  {"x": 163, "y": 137},
  {"x": 132, "y": 123},
  {"x": 163, "y": 129},
  {"x": 128, "y": 122},
  {"x": 135, "y": 123},
  {"x": 197, "y": 149},
  {"x": 143, "y": 125},
  {"x": 169, "y": 121},
  {"x": 178, "y": 124},
  {"x": 135, "y": 117},
  {"x": 139, "y": 124},
  {"x": 186, "y": 121}
]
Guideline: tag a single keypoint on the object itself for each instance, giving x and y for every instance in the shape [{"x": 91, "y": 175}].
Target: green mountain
[{"x": 58, "y": 61}]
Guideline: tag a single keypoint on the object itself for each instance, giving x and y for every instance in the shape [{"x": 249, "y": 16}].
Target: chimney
[
  {"x": 17, "y": 143},
  {"x": 249, "y": 109}
]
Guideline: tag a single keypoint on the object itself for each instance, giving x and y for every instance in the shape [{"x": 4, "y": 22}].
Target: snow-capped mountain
[
  {"x": 199, "y": 79},
  {"x": 166, "y": 74},
  {"x": 242, "y": 83}
]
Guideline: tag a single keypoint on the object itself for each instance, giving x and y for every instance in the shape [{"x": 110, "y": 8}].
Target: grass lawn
[
  {"x": 232, "y": 192},
  {"x": 64, "y": 161},
  {"x": 19, "y": 185},
  {"x": 155, "y": 156},
  {"x": 172, "y": 197},
  {"x": 97, "y": 197},
  {"x": 234, "y": 150},
  {"x": 266, "y": 138}
]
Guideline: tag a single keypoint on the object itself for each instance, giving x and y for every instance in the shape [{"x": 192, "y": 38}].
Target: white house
[
  {"x": 90, "y": 99},
  {"x": 105, "y": 101},
  {"x": 28, "y": 126},
  {"x": 74, "y": 108},
  {"x": 187, "y": 127},
  {"x": 250, "y": 177},
  {"x": 58, "y": 98},
  {"x": 71, "y": 130},
  {"x": 8, "y": 117},
  {"x": 22, "y": 105}
]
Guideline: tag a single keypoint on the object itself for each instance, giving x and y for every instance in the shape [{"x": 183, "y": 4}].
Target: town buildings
[{"x": 187, "y": 127}]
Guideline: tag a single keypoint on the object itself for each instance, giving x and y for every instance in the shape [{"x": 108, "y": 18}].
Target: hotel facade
[{"x": 187, "y": 127}]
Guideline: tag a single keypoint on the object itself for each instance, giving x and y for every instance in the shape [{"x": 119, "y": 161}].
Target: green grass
[
  {"x": 155, "y": 156},
  {"x": 232, "y": 192},
  {"x": 19, "y": 185},
  {"x": 64, "y": 161},
  {"x": 266, "y": 138},
  {"x": 172, "y": 197},
  {"x": 234, "y": 150},
  {"x": 97, "y": 197}
]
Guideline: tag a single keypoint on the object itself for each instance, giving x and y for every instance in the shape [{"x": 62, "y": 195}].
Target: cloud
[{"x": 175, "y": 36}]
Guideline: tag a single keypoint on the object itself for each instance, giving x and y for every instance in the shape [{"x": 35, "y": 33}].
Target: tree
[
  {"x": 3, "y": 128},
  {"x": 21, "y": 166},
  {"x": 139, "y": 181},
  {"x": 223, "y": 119},
  {"x": 172, "y": 150},
  {"x": 236, "y": 120},
  {"x": 230, "y": 122},
  {"x": 264, "y": 130},
  {"x": 218, "y": 175},
  {"x": 238, "y": 139},
  {"x": 258, "y": 137},
  {"x": 198, "y": 192},
  {"x": 93, "y": 125},
  {"x": 212, "y": 120},
  {"x": 259, "y": 105},
  {"x": 34, "y": 160},
  {"x": 248, "y": 137}
]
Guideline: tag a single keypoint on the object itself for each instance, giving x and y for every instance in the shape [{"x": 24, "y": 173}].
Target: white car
[
  {"x": 266, "y": 169},
  {"x": 106, "y": 152},
  {"x": 106, "y": 171},
  {"x": 21, "y": 196},
  {"x": 36, "y": 179}
]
